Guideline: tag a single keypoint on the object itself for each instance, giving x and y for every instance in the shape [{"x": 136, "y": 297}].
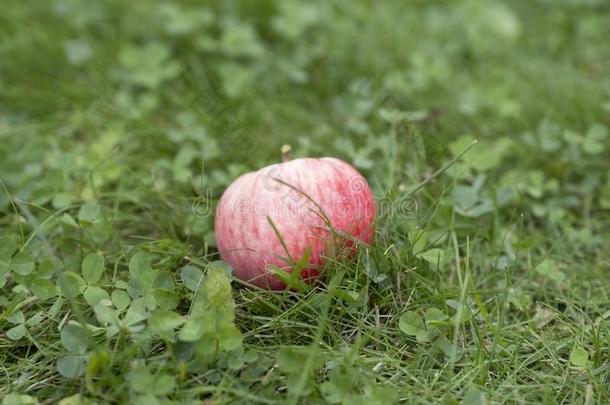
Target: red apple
[{"x": 300, "y": 199}]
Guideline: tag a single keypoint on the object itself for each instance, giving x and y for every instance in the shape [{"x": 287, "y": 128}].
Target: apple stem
[{"x": 286, "y": 153}]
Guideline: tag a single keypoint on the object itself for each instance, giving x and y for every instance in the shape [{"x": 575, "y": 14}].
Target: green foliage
[
  {"x": 121, "y": 124},
  {"x": 210, "y": 325}
]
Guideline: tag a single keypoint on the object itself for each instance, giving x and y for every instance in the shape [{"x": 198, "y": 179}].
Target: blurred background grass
[{"x": 142, "y": 107}]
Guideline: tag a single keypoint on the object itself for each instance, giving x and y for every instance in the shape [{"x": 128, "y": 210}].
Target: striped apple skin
[{"x": 300, "y": 197}]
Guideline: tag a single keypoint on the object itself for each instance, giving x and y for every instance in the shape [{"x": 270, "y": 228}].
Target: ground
[{"x": 121, "y": 123}]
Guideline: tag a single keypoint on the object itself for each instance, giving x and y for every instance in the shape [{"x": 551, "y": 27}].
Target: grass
[{"x": 121, "y": 125}]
